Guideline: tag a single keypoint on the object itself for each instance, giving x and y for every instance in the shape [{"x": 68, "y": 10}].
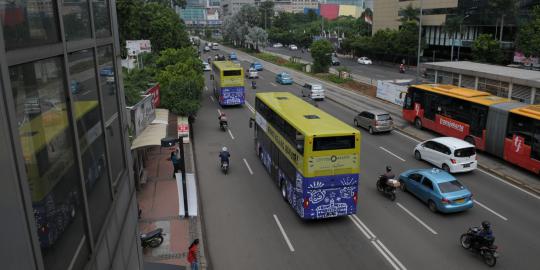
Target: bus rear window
[
  {"x": 333, "y": 143},
  {"x": 465, "y": 152},
  {"x": 232, "y": 73}
]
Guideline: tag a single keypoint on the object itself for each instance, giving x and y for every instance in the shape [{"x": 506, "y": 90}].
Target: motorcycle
[
  {"x": 152, "y": 239},
  {"x": 471, "y": 241},
  {"x": 225, "y": 166},
  {"x": 223, "y": 125},
  {"x": 253, "y": 85},
  {"x": 401, "y": 69},
  {"x": 387, "y": 190}
]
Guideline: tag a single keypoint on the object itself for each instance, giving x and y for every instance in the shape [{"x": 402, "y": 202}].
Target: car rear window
[
  {"x": 384, "y": 117},
  {"x": 451, "y": 186},
  {"x": 333, "y": 143},
  {"x": 465, "y": 152},
  {"x": 316, "y": 87}
]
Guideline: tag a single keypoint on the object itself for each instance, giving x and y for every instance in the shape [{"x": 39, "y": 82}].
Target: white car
[
  {"x": 277, "y": 45},
  {"x": 448, "y": 153},
  {"x": 206, "y": 48},
  {"x": 364, "y": 61},
  {"x": 252, "y": 73},
  {"x": 293, "y": 47},
  {"x": 206, "y": 66}
]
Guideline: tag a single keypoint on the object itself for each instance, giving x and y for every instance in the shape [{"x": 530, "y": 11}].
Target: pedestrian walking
[
  {"x": 175, "y": 162},
  {"x": 192, "y": 255}
]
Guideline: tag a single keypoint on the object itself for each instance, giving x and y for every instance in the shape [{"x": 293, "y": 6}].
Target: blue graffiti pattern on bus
[{"x": 232, "y": 95}]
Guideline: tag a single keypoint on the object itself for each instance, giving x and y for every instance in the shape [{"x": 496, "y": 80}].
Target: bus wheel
[
  {"x": 283, "y": 190},
  {"x": 418, "y": 123},
  {"x": 470, "y": 140}
]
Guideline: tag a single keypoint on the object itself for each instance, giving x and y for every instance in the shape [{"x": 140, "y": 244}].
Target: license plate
[
  {"x": 460, "y": 201},
  {"x": 467, "y": 165}
]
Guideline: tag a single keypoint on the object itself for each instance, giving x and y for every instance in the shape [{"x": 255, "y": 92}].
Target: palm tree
[{"x": 452, "y": 26}]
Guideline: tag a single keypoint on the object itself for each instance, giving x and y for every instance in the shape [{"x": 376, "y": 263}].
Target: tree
[
  {"x": 409, "y": 13},
  {"x": 486, "y": 49},
  {"x": 406, "y": 39},
  {"x": 452, "y": 26},
  {"x": 266, "y": 10},
  {"x": 321, "y": 51},
  {"x": 180, "y": 3},
  {"x": 503, "y": 8},
  {"x": 256, "y": 36},
  {"x": 207, "y": 33},
  {"x": 528, "y": 37}
]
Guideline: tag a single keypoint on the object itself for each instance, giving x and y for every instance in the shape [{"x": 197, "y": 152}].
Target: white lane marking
[
  {"x": 273, "y": 84},
  {"x": 360, "y": 227},
  {"x": 218, "y": 111},
  {"x": 391, "y": 255},
  {"x": 291, "y": 248},
  {"x": 230, "y": 133},
  {"x": 387, "y": 151},
  {"x": 416, "y": 218},
  {"x": 211, "y": 98},
  {"x": 261, "y": 77},
  {"x": 248, "y": 167},
  {"x": 250, "y": 107},
  {"x": 512, "y": 185},
  {"x": 490, "y": 210},
  {"x": 406, "y": 136},
  {"x": 487, "y": 173},
  {"x": 364, "y": 225},
  {"x": 384, "y": 254}
]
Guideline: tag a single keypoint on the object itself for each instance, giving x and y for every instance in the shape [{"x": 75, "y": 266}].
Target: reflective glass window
[
  {"x": 102, "y": 21},
  {"x": 76, "y": 15},
  {"x": 51, "y": 167},
  {"x": 28, "y": 23},
  {"x": 116, "y": 150},
  {"x": 83, "y": 87},
  {"x": 107, "y": 80}
]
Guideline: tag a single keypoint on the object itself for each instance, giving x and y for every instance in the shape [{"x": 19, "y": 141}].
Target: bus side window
[
  {"x": 408, "y": 102},
  {"x": 535, "y": 153}
]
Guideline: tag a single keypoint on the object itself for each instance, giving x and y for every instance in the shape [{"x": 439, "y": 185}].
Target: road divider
[
  {"x": 377, "y": 243},
  {"x": 250, "y": 107},
  {"x": 490, "y": 210},
  {"x": 388, "y": 151},
  {"x": 417, "y": 218},
  {"x": 248, "y": 167},
  {"x": 291, "y": 248}
]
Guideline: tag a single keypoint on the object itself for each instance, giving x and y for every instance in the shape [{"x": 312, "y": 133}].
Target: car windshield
[
  {"x": 451, "y": 186},
  {"x": 384, "y": 117},
  {"x": 465, "y": 152},
  {"x": 286, "y": 77}
]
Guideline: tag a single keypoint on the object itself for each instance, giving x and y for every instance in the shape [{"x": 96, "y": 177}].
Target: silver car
[{"x": 374, "y": 121}]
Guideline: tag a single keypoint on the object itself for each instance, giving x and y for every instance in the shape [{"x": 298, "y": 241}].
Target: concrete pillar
[
  {"x": 436, "y": 76},
  {"x": 510, "y": 87},
  {"x": 533, "y": 95},
  {"x": 459, "y": 80},
  {"x": 476, "y": 83}
]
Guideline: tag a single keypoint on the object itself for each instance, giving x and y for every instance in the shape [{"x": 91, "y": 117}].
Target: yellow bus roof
[
  {"x": 226, "y": 65},
  {"x": 304, "y": 116},
  {"x": 479, "y": 97},
  {"x": 531, "y": 111}
]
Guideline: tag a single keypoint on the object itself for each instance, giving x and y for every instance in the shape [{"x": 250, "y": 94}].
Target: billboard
[
  {"x": 135, "y": 47},
  {"x": 154, "y": 92}
]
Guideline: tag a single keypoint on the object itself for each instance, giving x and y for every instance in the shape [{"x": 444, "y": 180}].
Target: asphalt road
[
  {"x": 241, "y": 210},
  {"x": 376, "y": 71}
]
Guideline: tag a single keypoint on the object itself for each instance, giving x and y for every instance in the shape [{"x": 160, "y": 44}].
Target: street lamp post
[
  {"x": 461, "y": 35},
  {"x": 419, "y": 42}
]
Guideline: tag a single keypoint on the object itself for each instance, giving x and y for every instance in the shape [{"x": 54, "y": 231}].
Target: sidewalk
[
  {"x": 158, "y": 200},
  {"x": 353, "y": 100}
]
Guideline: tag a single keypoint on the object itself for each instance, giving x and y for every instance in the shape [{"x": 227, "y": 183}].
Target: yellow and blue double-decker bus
[
  {"x": 228, "y": 83},
  {"x": 313, "y": 157}
]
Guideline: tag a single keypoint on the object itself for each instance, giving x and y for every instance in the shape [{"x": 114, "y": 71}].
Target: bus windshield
[{"x": 333, "y": 143}]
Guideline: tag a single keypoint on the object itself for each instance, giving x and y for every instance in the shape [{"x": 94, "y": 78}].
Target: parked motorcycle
[
  {"x": 152, "y": 239},
  {"x": 387, "y": 190},
  {"x": 225, "y": 166},
  {"x": 471, "y": 241}
]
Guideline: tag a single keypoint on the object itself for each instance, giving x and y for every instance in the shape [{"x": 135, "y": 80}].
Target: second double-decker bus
[
  {"x": 228, "y": 83},
  {"x": 502, "y": 127},
  {"x": 313, "y": 157}
]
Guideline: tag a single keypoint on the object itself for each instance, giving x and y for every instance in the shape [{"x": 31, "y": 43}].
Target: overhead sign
[{"x": 135, "y": 47}]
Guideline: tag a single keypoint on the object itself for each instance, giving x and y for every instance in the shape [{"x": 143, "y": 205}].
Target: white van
[
  {"x": 215, "y": 46},
  {"x": 313, "y": 91},
  {"x": 451, "y": 154}
]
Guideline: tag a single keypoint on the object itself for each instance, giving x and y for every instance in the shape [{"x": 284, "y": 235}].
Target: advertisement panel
[
  {"x": 154, "y": 92},
  {"x": 392, "y": 91},
  {"x": 135, "y": 47},
  {"x": 142, "y": 114}
]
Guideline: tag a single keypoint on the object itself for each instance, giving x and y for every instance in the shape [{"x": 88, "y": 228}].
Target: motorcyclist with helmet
[
  {"x": 224, "y": 155},
  {"x": 485, "y": 236},
  {"x": 383, "y": 181}
]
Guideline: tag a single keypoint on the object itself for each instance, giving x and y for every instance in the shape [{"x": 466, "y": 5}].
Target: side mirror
[{"x": 251, "y": 120}]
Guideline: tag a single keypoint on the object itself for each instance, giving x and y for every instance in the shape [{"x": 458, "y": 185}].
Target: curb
[{"x": 485, "y": 168}]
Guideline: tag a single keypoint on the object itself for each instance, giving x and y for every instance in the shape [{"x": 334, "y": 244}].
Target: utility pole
[{"x": 419, "y": 42}]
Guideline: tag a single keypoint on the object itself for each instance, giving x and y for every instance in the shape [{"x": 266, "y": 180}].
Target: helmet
[
  {"x": 388, "y": 168},
  {"x": 224, "y": 149},
  {"x": 486, "y": 225}
]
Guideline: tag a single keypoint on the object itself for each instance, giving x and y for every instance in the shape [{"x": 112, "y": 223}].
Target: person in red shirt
[{"x": 192, "y": 254}]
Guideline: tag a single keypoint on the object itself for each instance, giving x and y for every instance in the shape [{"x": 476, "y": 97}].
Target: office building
[{"x": 68, "y": 195}]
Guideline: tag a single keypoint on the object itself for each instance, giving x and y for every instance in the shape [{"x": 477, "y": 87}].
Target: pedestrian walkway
[{"x": 158, "y": 200}]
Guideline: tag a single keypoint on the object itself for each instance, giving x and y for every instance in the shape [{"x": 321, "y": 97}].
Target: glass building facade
[{"x": 68, "y": 196}]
